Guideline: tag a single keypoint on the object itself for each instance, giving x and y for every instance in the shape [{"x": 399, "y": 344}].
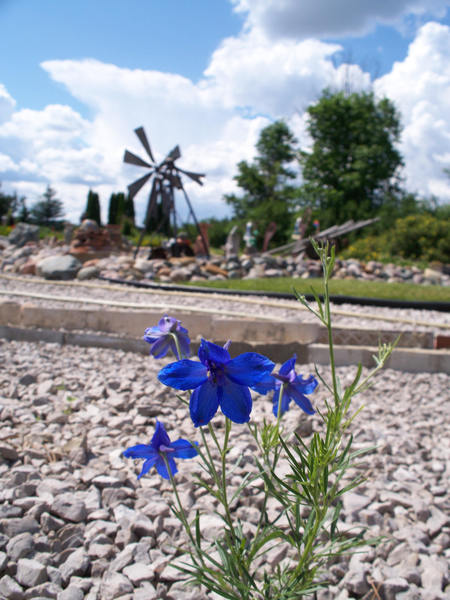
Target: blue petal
[
  {"x": 288, "y": 366},
  {"x": 139, "y": 451},
  {"x": 183, "y": 449},
  {"x": 306, "y": 386},
  {"x": 149, "y": 463},
  {"x": 184, "y": 341},
  {"x": 300, "y": 399},
  {"x": 213, "y": 352},
  {"x": 167, "y": 324},
  {"x": 160, "y": 437},
  {"x": 183, "y": 375},
  {"x": 249, "y": 368},
  {"x": 160, "y": 346},
  {"x": 285, "y": 401},
  {"x": 162, "y": 469},
  {"x": 203, "y": 404},
  {"x": 266, "y": 384},
  {"x": 151, "y": 334},
  {"x": 235, "y": 401}
]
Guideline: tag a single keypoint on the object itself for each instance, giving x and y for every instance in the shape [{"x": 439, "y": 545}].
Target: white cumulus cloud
[
  {"x": 330, "y": 18},
  {"x": 420, "y": 88},
  {"x": 7, "y": 104}
]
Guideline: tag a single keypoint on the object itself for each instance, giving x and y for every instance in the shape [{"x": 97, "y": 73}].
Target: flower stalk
[{"x": 301, "y": 481}]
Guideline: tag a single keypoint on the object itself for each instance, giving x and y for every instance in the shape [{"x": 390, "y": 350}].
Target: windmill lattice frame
[{"x": 166, "y": 178}]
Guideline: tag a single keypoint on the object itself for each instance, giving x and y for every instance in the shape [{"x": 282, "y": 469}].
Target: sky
[{"x": 77, "y": 77}]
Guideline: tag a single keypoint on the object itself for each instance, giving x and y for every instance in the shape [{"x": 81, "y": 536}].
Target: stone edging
[{"x": 404, "y": 359}]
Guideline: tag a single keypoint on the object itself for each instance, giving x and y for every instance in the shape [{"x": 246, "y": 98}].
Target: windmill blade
[
  {"x": 173, "y": 155},
  {"x": 132, "y": 159},
  {"x": 144, "y": 141},
  {"x": 195, "y": 176},
  {"x": 133, "y": 188}
]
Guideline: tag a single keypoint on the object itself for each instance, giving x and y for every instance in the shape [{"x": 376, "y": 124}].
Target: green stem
[
  {"x": 330, "y": 340},
  {"x": 222, "y": 482},
  {"x": 177, "y": 345},
  {"x": 181, "y": 512},
  {"x": 280, "y": 396}
]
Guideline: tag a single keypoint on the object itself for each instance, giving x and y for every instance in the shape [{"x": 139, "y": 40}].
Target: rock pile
[
  {"x": 34, "y": 259},
  {"x": 75, "y": 523}
]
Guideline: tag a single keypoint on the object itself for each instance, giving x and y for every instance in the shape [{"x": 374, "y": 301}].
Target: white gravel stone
[
  {"x": 30, "y": 572},
  {"x": 130, "y": 520}
]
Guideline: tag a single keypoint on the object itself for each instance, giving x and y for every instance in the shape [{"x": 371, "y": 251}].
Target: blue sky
[
  {"x": 175, "y": 36},
  {"x": 76, "y": 77}
]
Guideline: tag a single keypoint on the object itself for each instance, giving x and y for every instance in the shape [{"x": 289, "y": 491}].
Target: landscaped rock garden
[{"x": 54, "y": 261}]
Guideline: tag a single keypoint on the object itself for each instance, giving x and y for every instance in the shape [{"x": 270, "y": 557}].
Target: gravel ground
[
  {"x": 358, "y": 317},
  {"x": 75, "y": 523}
]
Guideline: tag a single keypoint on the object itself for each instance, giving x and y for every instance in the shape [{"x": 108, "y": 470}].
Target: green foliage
[
  {"x": 116, "y": 211},
  {"x": 353, "y": 165},
  {"x": 48, "y": 210},
  {"x": 370, "y": 247},
  {"x": 423, "y": 237},
  {"x": 268, "y": 194},
  {"x": 22, "y": 212},
  {"x": 112, "y": 210},
  {"x": 121, "y": 211},
  {"x": 128, "y": 209},
  {"x": 93, "y": 207},
  {"x": 54, "y": 231},
  {"x": 5, "y": 229},
  {"x": 127, "y": 228},
  {"x": 14, "y": 207}
]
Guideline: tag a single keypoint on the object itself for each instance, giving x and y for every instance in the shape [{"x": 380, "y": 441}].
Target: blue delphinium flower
[
  {"x": 162, "y": 338},
  {"x": 294, "y": 388},
  {"x": 218, "y": 380},
  {"x": 160, "y": 446}
]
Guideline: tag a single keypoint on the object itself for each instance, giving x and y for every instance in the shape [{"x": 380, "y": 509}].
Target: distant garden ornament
[{"x": 250, "y": 238}]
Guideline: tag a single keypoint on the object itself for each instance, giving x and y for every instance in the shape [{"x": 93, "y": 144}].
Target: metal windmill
[{"x": 166, "y": 178}]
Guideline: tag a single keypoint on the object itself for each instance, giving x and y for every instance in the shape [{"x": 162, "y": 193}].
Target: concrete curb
[
  {"x": 132, "y": 323},
  {"x": 410, "y": 360}
]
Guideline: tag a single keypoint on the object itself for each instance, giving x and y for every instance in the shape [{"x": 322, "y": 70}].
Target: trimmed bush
[{"x": 421, "y": 237}]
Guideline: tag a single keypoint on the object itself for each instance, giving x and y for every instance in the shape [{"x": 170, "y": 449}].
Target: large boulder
[
  {"x": 23, "y": 233},
  {"x": 59, "y": 267}
]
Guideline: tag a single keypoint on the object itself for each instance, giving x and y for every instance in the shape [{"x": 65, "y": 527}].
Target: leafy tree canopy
[
  {"x": 48, "y": 210},
  {"x": 268, "y": 194},
  {"x": 353, "y": 165},
  {"x": 9, "y": 204}
]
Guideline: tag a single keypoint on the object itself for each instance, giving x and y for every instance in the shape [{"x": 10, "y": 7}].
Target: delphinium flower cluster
[{"x": 308, "y": 496}]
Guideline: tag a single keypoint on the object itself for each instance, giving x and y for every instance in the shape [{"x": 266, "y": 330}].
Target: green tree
[
  {"x": 128, "y": 209},
  {"x": 48, "y": 210},
  {"x": 112, "y": 210},
  {"x": 23, "y": 212},
  {"x": 268, "y": 192},
  {"x": 353, "y": 166},
  {"x": 116, "y": 209},
  {"x": 9, "y": 204},
  {"x": 93, "y": 207}
]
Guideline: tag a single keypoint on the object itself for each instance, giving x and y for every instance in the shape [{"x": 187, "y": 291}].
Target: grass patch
[
  {"x": 338, "y": 287},
  {"x": 5, "y": 230}
]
